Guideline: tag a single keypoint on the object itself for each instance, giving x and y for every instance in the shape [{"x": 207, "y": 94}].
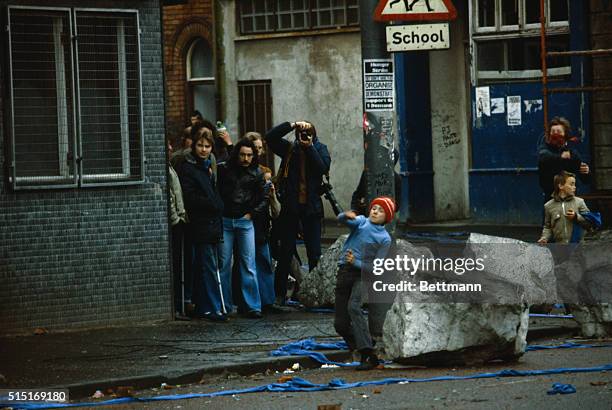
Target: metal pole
[
  {"x": 219, "y": 281},
  {"x": 544, "y": 66},
  {"x": 378, "y": 87},
  {"x": 378, "y": 130},
  {"x": 182, "y": 256}
]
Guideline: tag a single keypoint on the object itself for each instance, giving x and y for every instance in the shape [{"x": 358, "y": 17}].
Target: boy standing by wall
[
  {"x": 350, "y": 322},
  {"x": 562, "y": 211}
]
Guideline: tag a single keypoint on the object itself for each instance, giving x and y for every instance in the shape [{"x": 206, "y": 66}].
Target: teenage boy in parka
[{"x": 563, "y": 210}]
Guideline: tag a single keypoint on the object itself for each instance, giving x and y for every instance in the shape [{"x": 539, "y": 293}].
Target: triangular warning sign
[{"x": 415, "y": 10}]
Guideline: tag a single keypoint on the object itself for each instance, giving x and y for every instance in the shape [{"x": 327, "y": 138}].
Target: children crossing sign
[{"x": 415, "y": 10}]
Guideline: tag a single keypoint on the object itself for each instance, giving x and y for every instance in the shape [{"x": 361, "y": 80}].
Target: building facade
[
  {"x": 189, "y": 62},
  {"x": 295, "y": 60},
  {"x": 471, "y": 117},
  {"x": 84, "y": 238}
]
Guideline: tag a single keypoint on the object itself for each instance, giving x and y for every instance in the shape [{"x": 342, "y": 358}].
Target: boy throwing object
[{"x": 350, "y": 322}]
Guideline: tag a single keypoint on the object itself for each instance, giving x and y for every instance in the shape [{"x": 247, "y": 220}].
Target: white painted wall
[
  {"x": 316, "y": 78},
  {"x": 449, "y": 124}
]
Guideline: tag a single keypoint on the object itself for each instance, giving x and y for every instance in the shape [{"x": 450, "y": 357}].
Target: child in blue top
[{"x": 350, "y": 322}]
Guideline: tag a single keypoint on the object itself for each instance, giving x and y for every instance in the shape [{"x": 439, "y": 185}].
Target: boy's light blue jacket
[{"x": 364, "y": 236}]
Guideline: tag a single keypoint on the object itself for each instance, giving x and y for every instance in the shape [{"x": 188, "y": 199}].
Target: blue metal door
[{"x": 503, "y": 174}]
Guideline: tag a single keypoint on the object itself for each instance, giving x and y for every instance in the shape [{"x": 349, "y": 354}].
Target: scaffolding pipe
[
  {"x": 600, "y": 52},
  {"x": 544, "y": 68},
  {"x": 579, "y": 89}
]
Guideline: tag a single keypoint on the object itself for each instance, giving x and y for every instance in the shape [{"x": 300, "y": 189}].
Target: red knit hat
[{"x": 388, "y": 204}]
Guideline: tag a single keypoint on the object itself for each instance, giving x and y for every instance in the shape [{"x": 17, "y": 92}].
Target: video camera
[{"x": 326, "y": 190}]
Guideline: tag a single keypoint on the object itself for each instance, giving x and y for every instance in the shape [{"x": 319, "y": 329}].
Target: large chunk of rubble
[
  {"x": 585, "y": 280},
  {"x": 317, "y": 288},
  {"x": 437, "y": 328},
  {"x": 525, "y": 264},
  {"x": 434, "y": 333}
]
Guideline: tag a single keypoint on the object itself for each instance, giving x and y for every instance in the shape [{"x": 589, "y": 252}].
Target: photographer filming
[{"x": 299, "y": 180}]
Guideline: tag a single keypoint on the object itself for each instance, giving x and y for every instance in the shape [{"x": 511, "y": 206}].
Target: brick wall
[
  {"x": 181, "y": 25},
  {"x": 89, "y": 257},
  {"x": 601, "y": 38}
]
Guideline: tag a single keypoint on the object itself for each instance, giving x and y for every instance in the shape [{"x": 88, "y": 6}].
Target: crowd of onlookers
[{"x": 230, "y": 217}]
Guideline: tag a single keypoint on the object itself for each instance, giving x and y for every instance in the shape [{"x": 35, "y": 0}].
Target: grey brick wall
[{"x": 91, "y": 257}]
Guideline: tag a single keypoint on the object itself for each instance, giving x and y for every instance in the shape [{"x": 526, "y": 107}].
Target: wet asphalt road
[{"x": 594, "y": 390}]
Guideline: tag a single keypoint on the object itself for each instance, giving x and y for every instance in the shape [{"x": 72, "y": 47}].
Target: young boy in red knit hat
[{"x": 350, "y": 322}]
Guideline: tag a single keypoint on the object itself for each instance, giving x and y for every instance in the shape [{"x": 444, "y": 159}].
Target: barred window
[
  {"x": 506, "y": 35},
  {"x": 265, "y": 16},
  {"x": 75, "y": 97}
]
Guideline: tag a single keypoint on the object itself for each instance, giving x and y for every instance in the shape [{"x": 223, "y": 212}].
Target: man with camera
[{"x": 299, "y": 180}]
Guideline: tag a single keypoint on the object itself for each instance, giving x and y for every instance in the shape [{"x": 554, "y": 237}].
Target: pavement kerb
[{"x": 87, "y": 388}]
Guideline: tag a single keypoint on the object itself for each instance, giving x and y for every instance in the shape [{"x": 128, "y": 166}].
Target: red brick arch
[{"x": 185, "y": 33}]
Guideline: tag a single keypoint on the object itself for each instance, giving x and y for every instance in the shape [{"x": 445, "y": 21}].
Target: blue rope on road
[
  {"x": 551, "y": 316},
  {"x": 301, "y": 385},
  {"x": 320, "y": 310},
  {"x": 560, "y": 388},
  {"x": 307, "y": 347},
  {"x": 568, "y": 345}
]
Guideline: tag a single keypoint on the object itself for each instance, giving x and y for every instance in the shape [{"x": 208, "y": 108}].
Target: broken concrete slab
[
  {"x": 455, "y": 333},
  {"x": 585, "y": 285},
  {"x": 528, "y": 265},
  {"x": 440, "y": 328},
  {"x": 317, "y": 288}
]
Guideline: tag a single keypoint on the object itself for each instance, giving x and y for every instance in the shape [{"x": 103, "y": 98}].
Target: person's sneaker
[
  {"x": 369, "y": 361},
  {"x": 214, "y": 317},
  {"x": 277, "y": 308},
  {"x": 254, "y": 314}
]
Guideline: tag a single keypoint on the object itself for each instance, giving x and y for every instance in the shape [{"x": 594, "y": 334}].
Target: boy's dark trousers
[{"x": 350, "y": 322}]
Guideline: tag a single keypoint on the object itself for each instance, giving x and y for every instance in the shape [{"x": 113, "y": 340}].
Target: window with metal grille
[
  {"x": 506, "y": 35},
  {"x": 255, "y": 99},
  {"x": 265, "y": 16},
  {"x": 75, "y": 97}
]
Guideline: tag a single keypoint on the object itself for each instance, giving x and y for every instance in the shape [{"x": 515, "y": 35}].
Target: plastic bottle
[{"x": 221, "y": 128}]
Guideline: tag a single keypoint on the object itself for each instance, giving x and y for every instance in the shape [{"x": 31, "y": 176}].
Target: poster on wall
[
  {"x": 379, "y": 84},
  {"x": 483, "y": 102},
  {"x": 498, "y": 105},
  {"x": 514, "y": 110}
]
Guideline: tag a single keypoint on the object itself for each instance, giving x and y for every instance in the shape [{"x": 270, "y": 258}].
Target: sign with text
[
  {"x": 418, "y": 37},
  {"x": 379, "y": 85}
]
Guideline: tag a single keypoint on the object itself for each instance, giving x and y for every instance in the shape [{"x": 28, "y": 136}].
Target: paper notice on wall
[
  {"x": 498, "y": 105},
  {"x": 483, "y": 102},
  {"x": 514, "y": 110},
  {"x": 532, "y": 106}
]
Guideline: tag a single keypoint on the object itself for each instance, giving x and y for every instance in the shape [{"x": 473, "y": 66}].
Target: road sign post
[{"x": 378, "y": 83}]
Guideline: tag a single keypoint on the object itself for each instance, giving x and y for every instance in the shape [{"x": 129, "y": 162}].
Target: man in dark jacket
[
  {"x": 241, "y": 184},
  {"x": 555, "y": 156},
  {"x": 304, "y": 162}
]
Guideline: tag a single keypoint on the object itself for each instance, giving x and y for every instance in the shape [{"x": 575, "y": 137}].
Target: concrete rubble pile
[
  {"x": 586, "y": 277},
  {"x": 528, "y": 265},
  {"x": 317, "y": 288},
  {"x": 434, "y": 328}
]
